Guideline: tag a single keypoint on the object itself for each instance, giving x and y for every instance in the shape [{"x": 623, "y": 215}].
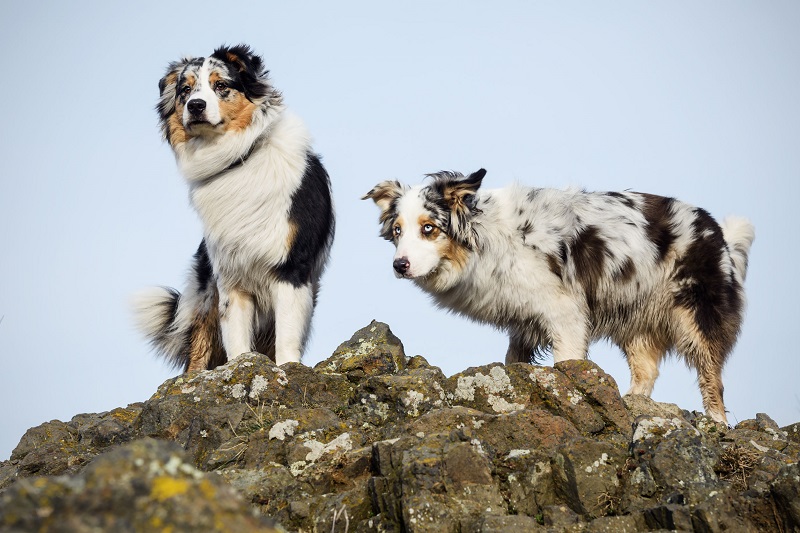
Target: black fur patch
[
  {"x": 626, "y": 272},
  {"x": 625, "y": 199},
  {"x": 657, "y": 211},
  {"x": 588, "y": 252},
  {"x": 312, "y": 215},
  {"x": 203, "y": 270},
  {"x": 705, "y": 289}
]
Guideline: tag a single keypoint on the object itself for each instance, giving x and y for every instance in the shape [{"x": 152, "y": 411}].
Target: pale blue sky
[{"x": 697, "y": 100}]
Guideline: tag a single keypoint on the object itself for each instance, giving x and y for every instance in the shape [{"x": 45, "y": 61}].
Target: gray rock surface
[{"x": 373, "y": 440}]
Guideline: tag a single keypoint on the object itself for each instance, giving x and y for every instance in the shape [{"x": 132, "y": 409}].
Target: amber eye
[
  {"x": 185, "y": 90},
  {"x": 427, "y": 229},
  {"x": 220, "y": 86}
]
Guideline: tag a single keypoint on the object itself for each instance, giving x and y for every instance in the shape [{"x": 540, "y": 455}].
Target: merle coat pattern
[{"x": 557, "y": 269}]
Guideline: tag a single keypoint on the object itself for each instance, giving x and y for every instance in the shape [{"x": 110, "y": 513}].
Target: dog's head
[
  {"x": 430, "y": 225},
  {"x": 209, "y": 96}
]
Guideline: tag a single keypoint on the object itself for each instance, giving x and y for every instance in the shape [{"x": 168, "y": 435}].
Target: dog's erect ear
[
  {"x": 385, "y": 195},
  {"x": 462, "y": 192},
  {"x": 250, "y": 68},
  {"x": 242, "y": 57},
  {"x": 458, "y": 194}
]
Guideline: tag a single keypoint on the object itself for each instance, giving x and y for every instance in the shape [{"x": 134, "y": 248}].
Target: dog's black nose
[
  {"x": 196, "y": 106},
  {"x": 401, "y": 265}
]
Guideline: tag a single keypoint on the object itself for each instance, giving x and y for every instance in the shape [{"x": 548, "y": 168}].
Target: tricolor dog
[
  {"x": 557, "y": 269},
  {"x": 264, "y": 199}
]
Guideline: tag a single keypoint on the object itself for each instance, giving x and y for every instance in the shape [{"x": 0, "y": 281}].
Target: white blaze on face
[
  {"x": 203, "y": 90},
  {"x": 421, "y": 251}
]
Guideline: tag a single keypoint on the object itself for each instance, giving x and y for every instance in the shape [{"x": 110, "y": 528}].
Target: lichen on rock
[{"x": 373, "y": 440}]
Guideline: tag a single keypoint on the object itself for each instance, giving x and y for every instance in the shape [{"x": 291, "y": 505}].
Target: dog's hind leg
[
  {"x": 707, "y": 356},
  {"x": 644, "y": 355},
  {"x": 519, "y": 350},
  {"x": 237, "y": 315},
  {"x": 709, "y": 377},
  {"x": 294, "y": 306}
]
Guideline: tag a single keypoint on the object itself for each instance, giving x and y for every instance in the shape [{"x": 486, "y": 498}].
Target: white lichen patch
[
  {"x": 281, "y": 430},
  {"x": 493, "y": 385},
  {"x": 173, "y": 467},
  {"x": 281, "y": 377},
  {"x": 545, "y": 378},
  {"x": 477, "y": 446},
  {"x": 260, "y": 384},
  {"x": 501, "y": 405},
  {"x": 339, "y": 445},
  {"x": 594, "y": 467},
  {"x": 238, "y": 391},
  {"x": 411, "y": 401},
  {"x": 188, "y": 389},
  {"x": 517, "y": 453},
  {"x": 297, "y": 468},
  {"x": 658, "y": 426},
  {"x": 782, "y": 435},
  {"x": 380, "y": 409},
  {"x": 477, "y": 423},
  {"x": 574, "y": 397}
]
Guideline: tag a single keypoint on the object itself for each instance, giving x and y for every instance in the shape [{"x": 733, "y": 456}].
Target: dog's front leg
[
  {"x": 236, "y": 317},
  {"x": 293, "y": 309}
]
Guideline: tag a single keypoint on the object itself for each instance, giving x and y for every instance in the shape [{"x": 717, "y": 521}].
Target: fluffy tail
[
  {"x": 739, "y": 233},
  {"x": 184, "y": 328}
]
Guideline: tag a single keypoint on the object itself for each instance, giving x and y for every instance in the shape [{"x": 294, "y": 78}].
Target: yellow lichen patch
[
  {"x": 208, "y": 490},
  {"x": 165, "y": 487}
]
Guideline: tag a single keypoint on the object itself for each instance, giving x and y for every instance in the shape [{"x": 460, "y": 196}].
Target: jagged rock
[
  {"x": 371, "y": 351},
  {"x": 371, "y": 440},
  {"x": 142, "y": 486}
]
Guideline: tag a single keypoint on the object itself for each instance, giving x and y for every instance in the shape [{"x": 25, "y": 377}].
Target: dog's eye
[
  {"x": 220, "y": 86},
  {"x": 397, "y": 231},
  {"x": 427, "y": 229},
  {"x": 185, "y": 90}
]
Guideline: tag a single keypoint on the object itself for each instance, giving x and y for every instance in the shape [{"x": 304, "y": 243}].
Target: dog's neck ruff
[{"x": 201, "y": 160}]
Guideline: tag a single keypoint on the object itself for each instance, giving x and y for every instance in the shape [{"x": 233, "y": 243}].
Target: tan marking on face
[
  {"x": 433, "y": 235},
  {"x": 236, "y": 111},
  {"x": 176, "y": 133},
  {"x": 190, "y": 80},
  {"x": 454, "y": 253}
]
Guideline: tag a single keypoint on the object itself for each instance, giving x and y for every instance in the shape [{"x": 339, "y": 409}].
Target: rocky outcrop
[{"x": 373, "y": 440}]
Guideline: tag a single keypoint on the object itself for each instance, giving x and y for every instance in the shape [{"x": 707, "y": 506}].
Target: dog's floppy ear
[
  {"x": 167, "y": 87},
  {"x": 385, "y": 195}
]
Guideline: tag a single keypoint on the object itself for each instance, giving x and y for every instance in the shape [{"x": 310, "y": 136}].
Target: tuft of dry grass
[{"x": 735, "y": 465}]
